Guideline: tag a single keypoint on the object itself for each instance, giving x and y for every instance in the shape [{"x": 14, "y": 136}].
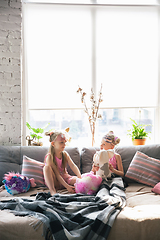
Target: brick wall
[{"x": 10, "y": 72}]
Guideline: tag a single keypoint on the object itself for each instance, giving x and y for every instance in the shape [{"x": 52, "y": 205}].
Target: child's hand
[
  {"x": 111, "y": 168},
  {"x": 95, "y": 168},
  {"x": 71, "y": 189}
]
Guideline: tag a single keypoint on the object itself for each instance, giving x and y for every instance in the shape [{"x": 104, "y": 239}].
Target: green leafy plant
[
  {"x": 36, "y": 132},
  {"x": 138, "y": 131}
]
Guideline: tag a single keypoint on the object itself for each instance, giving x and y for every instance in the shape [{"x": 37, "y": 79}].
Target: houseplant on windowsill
[
  {"x": 138, "y": 133},
  {"x": 36, "y": 135}
]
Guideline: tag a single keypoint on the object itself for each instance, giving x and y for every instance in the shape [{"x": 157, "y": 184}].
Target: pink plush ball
[{"x": 88, "y": 184}]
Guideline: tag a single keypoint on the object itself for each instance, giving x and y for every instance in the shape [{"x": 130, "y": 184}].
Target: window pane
[
  {"x": 58, "y": 54},
  {"x": 117, "y": 120},
  {"x": 127, "y": 55},
  {"x": 86, "y": 46},
  {"x": 61, "y": 54}
]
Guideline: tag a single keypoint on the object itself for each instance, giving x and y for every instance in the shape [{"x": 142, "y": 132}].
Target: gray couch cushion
[
  {"x": 9, "y": 160},
  {"x": 75, "y": 156},
  {"x": 35, "y": 152},
  {"x": 87, "y": 158}
]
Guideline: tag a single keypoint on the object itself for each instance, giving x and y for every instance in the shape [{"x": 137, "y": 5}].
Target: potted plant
[
  {"x": 138, "y": 133},
  {"x": 36, "y": 135}
]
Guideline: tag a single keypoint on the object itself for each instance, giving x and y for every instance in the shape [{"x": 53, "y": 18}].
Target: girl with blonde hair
[
  {"x": 55, "y": 172},
  {"x": 107, "y": 155}
]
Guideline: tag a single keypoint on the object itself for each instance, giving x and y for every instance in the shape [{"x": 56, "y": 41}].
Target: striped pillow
[
  {"x": 33, "y": 169},
  {"x": 144, "y": 169}
]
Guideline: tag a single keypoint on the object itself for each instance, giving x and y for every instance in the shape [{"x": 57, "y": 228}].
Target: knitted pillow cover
[
  {"x": 144, "y": 169},
  {"x": 33, "y": 169}
]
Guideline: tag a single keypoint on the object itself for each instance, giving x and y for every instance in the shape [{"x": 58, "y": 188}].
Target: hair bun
[
  {"x": 111, "y": 133},
  {"x": 47, "y": 133}
]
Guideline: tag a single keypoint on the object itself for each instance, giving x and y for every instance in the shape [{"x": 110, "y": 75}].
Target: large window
[{"x": 66, "y": 46}]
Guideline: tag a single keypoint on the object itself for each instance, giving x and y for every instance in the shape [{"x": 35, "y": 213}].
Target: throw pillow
[
  {"x": 33, "y": 169},
  {"x": 144, "y": 169},
  {"x": 156, "y": 188}
]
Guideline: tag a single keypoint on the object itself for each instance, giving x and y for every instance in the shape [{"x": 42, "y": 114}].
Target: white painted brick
[
  {"x": 12, "y": 82},
  {"x": 14, "y": 35},
  {"x": 15, "y": 48},
  {"x": 7, "y": 114},
  {"x": 7, "y": 95},
  {"x": 14, "y": 42},
  {"x": 15, "y": 60},
  {"x": 9, "y": 26},
  {"x": 15, "y": 18},
  {"x": 4, "y": 17},
  {"x": 6, "y": 89},
  {"x": 7, "y": 75},
  {"x": 9, "y": 68},
  {"x": 13, "y": 11},
  {"x": 3, "y": 33},
  {"x": 2, "y": 81},
  {"x": 16, "y": 115},
  {"x": 2, "y": 40},
  {"x": 10, "y": 72},
  {"x": 4, "y": 48},
  {"x": 16, "y": 74},
  {"x": 1, "y": 128},
  {"x": 15, "y": 4},
  {"x": 1, "y": 77},
  {"x": 8, "y": 54},
  {"x": 5, "y": 60},
  {"x": 16, "y": 88},
  {"x": 4, "y": 4}
]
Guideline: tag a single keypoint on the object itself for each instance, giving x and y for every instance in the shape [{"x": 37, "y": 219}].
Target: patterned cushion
[
  {"x": 144, "y": 169},
  {"x": 33, "y": 169}
]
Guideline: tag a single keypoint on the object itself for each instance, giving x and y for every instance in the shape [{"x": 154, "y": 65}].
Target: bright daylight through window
[{"x": 66, "y": 46}]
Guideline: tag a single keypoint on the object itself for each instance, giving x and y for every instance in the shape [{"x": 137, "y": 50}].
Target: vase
[
  {"x": 93, "y": 138},
  {"x": 139, "y": 141},
  {"x": 93, "y": 132}
]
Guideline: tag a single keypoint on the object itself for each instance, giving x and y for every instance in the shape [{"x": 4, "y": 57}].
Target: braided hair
[{"x": 111, "y": 138}]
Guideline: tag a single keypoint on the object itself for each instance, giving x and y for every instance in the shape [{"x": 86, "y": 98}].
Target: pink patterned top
[
  {"x": 113, "y": 161},
  {"x": 65, "y": 174},
  {"x": 59, "y": 165}
]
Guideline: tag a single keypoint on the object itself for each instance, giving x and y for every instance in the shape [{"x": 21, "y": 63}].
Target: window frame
[{"x": 25, "y": 109}]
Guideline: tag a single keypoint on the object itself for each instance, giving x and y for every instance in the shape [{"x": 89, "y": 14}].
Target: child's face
[
  {"x": 106, "y": 145},
  {"x": 59, "y": 145},
  {"x": 60, "y": 142}
]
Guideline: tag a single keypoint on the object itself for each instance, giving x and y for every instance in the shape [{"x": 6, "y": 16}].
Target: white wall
[{"x": 10, "y": 72}]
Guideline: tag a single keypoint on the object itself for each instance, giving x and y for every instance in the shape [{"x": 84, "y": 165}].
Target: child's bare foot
[{"x": 53, "y": 192}]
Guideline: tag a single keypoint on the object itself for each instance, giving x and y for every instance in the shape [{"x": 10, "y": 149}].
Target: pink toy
[{"x": 88, "y": 184}]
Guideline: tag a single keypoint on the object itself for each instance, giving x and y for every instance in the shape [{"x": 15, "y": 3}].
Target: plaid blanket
[{"x": 73, "y": 216}]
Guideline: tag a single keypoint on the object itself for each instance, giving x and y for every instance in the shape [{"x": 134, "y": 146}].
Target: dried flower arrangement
[{"x": 93, "y": 113}]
